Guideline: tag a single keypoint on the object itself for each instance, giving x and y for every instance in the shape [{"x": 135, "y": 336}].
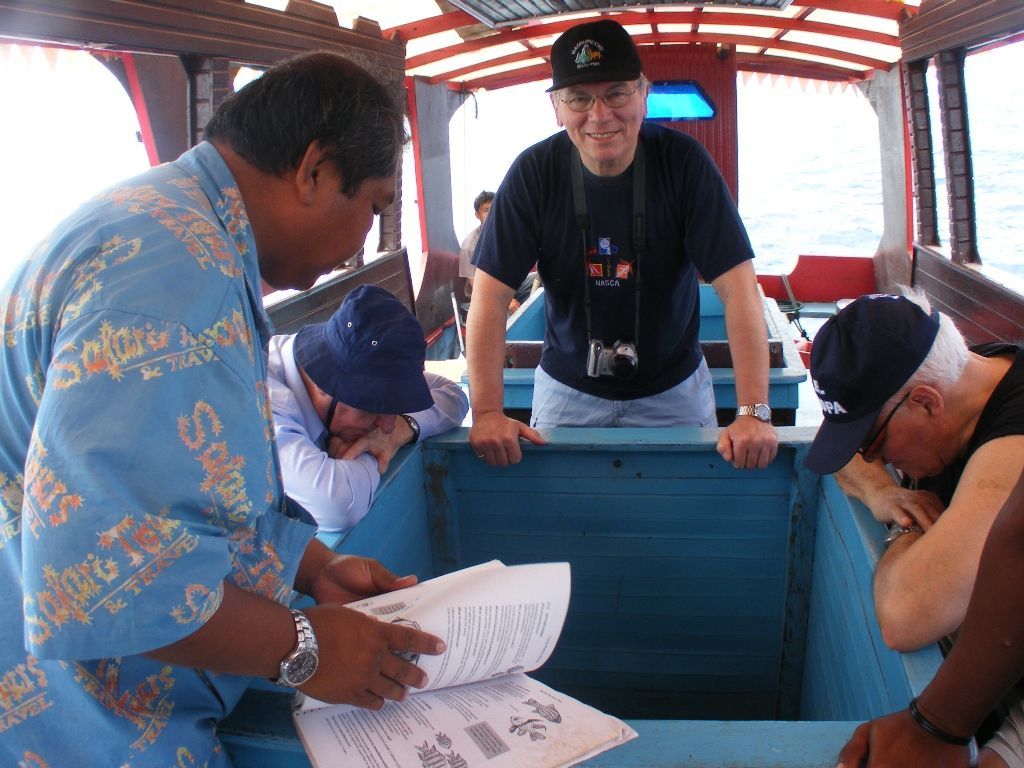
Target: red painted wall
[
  {"x": 823, "y": 279},
  {"x": 716, "y": 74}
]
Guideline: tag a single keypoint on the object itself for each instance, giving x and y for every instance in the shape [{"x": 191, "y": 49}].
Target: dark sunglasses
[{"x": 872, "y": 440}]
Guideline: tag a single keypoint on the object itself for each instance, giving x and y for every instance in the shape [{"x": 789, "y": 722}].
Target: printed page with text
[{"x": 479, "y": 708}]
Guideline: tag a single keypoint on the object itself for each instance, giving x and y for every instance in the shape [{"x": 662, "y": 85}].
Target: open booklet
[{"x": 479, "y": 708}]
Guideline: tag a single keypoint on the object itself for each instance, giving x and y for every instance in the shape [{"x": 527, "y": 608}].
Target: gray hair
[{"x": 945, "y": 361}]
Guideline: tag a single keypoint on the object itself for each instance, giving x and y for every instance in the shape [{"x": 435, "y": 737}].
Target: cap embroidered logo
[
  {"x": 587, "y": 53},
  {"x": 595, "y": 52}
]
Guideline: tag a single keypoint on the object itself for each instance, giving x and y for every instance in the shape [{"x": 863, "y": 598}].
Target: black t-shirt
[
  {"x": 1002, "y": 415},
  {"x": 692, "y": 226}
]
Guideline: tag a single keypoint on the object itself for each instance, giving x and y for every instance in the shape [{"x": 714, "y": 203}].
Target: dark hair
[
  {"x": 483, "y": 197},
  {"x": 314, "y": 97}
]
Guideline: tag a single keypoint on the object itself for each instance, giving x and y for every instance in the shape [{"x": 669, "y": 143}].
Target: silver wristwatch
[
  {"x": 759, "y": 411},
  {"x": 300, "y": 665},
  {"x": 895, "y": 531},
  {"x": 413, "y": 425}
]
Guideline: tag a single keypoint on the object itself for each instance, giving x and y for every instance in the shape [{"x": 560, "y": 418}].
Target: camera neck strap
[{"x": 579, "y": 198}]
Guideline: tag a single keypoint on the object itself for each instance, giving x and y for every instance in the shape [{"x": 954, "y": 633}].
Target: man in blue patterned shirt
[{"x": 147, "y": 549}]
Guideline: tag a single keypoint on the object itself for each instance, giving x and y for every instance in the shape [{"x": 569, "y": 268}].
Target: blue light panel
[{"x": 678, "y": 101}]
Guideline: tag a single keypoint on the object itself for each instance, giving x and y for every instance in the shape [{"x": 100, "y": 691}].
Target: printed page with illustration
[{"x": 479, "y": 708}]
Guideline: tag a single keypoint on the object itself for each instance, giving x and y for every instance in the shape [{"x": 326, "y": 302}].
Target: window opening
[{"x": 678, "y": 100}]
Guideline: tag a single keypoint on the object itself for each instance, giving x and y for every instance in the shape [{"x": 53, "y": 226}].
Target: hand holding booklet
[{"x": 479, "y": 707}]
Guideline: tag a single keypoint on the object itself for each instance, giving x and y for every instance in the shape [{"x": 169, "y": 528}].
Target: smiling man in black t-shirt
[{"x": 621, "y": 296}]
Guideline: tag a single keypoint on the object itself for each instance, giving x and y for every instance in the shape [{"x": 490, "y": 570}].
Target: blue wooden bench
[{"x": 726, "y": 615}]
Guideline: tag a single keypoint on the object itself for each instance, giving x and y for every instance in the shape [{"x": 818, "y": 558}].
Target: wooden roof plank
[
  {"x": 432, "y": 25},
  {"x": 229, "y": 28}
]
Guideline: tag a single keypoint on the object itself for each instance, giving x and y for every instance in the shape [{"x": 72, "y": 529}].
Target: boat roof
[
  {"x": 473, "y": 44},
  {"x": 476, "y": 44}
]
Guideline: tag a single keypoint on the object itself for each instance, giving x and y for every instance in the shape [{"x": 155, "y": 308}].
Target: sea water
[
  {"x": 810, "y": 175},
  {"x": 810, "y": 179}
]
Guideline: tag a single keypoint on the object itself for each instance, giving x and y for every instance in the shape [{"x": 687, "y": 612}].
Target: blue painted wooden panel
[
  {"x": 803, "y": 528},
  {"x": 712, "y": 327},
  {"x": 710, "y": 303},
  {"x": 691, "y": 595},
  {"x": 783, "y": 387},
  {"x": 712, "y": 314},
  {"x": 518, "y": 386},
  {"x": 260, "y": 735},
  {"x": 873, "y": 679},
  {"x": 690, "y": 744},
  {"x": 395, "y": 530},
  {"x": 653, "y": 535},
  {"x": 528, "y": 324}
]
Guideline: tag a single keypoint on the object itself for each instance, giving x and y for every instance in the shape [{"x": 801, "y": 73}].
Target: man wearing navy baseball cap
[
  {"x": 346, "y": 394},
  {"x": 621, "y": 216},
  {"x": 899, "y": 386},
  {"x": 861, "y": 358}
]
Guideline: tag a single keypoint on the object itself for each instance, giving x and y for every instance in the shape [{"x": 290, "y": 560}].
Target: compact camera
[{"x": 619, "y": 360}]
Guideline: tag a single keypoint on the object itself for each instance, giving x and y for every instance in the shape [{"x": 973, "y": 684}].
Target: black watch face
[{"x": 300, "y": 668}]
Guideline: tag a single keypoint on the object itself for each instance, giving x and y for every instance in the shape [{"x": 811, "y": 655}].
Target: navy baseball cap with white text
[{"x": 860, "y": 358}]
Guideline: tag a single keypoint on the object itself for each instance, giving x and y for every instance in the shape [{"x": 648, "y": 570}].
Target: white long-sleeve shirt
[{"x": 337, "y": 492}]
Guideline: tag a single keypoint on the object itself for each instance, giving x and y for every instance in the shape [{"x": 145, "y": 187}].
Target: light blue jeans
[{"x": 691, "y": 403}]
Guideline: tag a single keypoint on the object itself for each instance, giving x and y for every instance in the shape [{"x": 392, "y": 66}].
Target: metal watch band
[
  {"x": 305, "y": 644},
  {"x": 306, "y": 640},
  {"x": 899, "y": 530},
  {"x": 760, "y": 411}
]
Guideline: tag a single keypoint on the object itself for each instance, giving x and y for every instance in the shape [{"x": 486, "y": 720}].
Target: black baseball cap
[
  {"x": 595, "y": 52},
  {"x": 860, "y": 358}
]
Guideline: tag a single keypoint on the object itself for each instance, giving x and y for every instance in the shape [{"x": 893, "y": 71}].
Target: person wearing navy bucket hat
[
  {"x": 621, "y": 216},
  {"x": 899, "y": 386},
  {"x": 346, "y": 394}
]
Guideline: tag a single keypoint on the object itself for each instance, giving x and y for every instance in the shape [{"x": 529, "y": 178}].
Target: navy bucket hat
[
  {"x": 368, "y": 355},
  {"x": 861, "y": 357},
  {"x": 595, "y": 52}
]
